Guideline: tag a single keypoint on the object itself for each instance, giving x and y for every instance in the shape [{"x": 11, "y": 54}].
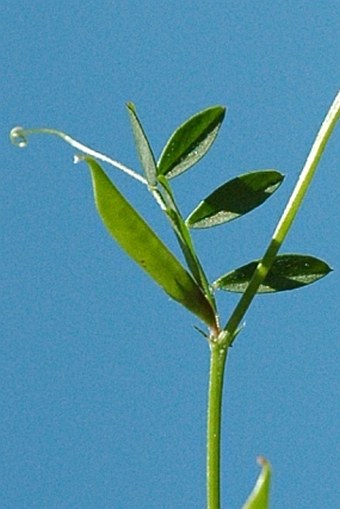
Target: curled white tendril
[{"x": 19, "y": 137}]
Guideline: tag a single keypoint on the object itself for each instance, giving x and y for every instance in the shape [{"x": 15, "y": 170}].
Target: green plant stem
[
  {"x": 219, "y": 345},
  {"x": 286, "y": 220},
  {"x": 218, "y": 357}
]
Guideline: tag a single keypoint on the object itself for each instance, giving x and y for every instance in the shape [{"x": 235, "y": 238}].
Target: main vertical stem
[{"x": 218, "y": 357}]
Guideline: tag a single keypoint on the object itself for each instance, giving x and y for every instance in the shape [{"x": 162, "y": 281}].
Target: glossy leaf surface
[
  {"x": 190, "y": 142},
  {"x": 235, "y": 198},
  {"x": 144, "y": 150},
  {"x": 259, "y": 497},
  {"x": 141, "y": 243},
  {"x": 288, "y": 272}
]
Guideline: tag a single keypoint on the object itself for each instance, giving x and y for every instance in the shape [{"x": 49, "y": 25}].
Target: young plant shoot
[{"x": 190, "y": 286}]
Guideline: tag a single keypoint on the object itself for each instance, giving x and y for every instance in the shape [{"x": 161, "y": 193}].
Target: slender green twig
[
  {"x": 287, "y": 217},
  {"x": 218, "y": 357},
  {"x": 183, "y": 235},
  {"x": 219, "y": 346}
]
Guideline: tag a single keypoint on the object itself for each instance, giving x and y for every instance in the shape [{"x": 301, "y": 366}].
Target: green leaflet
[
  {"x": 288, "y": 272},
  {"x": 144, "y": 150},
  {"x": 259, "y": 497},
  {"x": 140, "y": 242},
  {"x": 190, "y": 142},
  {"x": 235, "y": 198}
]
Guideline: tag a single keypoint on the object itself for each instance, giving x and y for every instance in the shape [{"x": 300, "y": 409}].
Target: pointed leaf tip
[
  {"x": 288, "y": 272},
  {"x": 235, "y": 198},
  {"x": 131, "y": 106},
  {"x": 191, "y": 141},
  {"x": 143, "y": 146},
  {"x": 259, "y": 497}
]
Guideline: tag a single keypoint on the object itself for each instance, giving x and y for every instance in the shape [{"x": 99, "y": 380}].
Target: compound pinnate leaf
[
  {"x": 288, "y": 272},
  {"x": 259, "y": 497},
  {"x": 144, "y": 150},
  {"x": 190, "y": 142},
  {"x": 141, "y": 243},
  {"x": 235, "y": 198}
]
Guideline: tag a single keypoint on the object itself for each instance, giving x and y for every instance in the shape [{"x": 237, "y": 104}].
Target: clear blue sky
[{"x": 103, "y": 378}]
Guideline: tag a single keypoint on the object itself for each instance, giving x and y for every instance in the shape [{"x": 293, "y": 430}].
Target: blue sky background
[{"x": 103, "y": 378}]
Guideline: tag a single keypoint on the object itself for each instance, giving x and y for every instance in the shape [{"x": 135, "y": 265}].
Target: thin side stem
[
  {"x": 218, "y": 357},
  {"x": 184, "y": 238},
  {"x": 308, "y": 170},
  {"x": 286, "y": 219}
]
